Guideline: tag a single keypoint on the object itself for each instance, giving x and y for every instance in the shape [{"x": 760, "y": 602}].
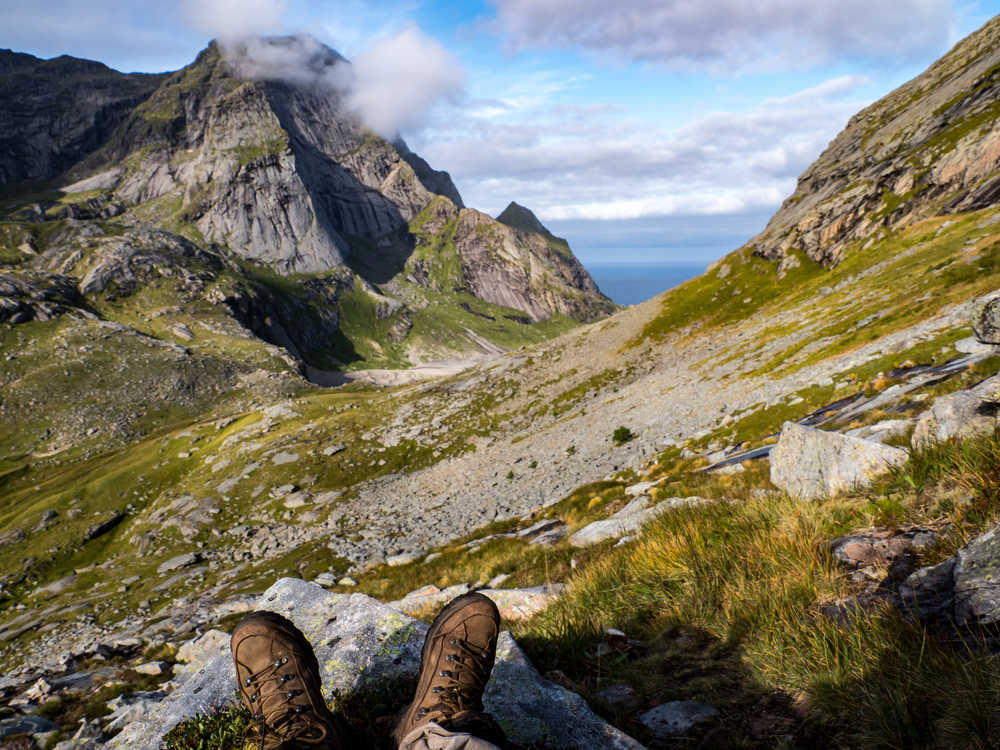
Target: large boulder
[
  {"x": 960, "y": 414},
  {"x": 363, "y": 644},
  {"x": 986, "y": 318},
  {"x": 964, "y": 589},
  {"x": 810, "y": 463}
]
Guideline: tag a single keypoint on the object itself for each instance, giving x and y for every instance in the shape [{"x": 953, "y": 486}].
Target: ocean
[{"x": 632, "y": 283}]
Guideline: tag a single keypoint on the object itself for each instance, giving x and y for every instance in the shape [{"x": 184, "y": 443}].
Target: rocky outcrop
[
  {"x": 931, "y": 147},
  {"x": 525, "y": 270},
  {"x": 362, "y": 645},
  {"x": 961, "y": 414},
  {"x": 964, "y": 589},
  {"x": 986, "y": 319},
  {"x": 810, "y": 463}
]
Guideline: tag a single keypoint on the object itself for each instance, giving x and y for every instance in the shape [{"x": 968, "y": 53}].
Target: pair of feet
[{"x": 279, "y": 678}]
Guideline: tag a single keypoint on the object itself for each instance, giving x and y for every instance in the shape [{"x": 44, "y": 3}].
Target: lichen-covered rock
[
  {"x": 986, "y": 319},
  {"x": 964, "y": 589},
  {"x": 960, "y": 414},
  {"x": 810, "y": 463},
  {"x": 361, "y": 643},
  {"x": 977, "y": 581}
]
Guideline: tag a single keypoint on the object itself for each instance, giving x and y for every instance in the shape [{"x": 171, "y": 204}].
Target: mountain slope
[
  {"x": 343, "y": 249},
  {"x": 929, "y": 148}
]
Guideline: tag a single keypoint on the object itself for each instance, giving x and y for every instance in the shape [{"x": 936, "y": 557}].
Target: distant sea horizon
[{"x": 631, "y": 283}]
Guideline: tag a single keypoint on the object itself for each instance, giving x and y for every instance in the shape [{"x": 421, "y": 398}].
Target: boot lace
[
  {"x": 273, "y": 709},
  {"x": 456, "y": 696}
]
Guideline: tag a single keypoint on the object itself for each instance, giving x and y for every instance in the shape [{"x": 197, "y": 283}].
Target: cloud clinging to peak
[
  {"x": 727, "y": 35},
  {"x": 391, "y": 86}
]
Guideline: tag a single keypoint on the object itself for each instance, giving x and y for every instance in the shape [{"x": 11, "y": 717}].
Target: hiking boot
[
  {"x": 455, "y": 664},
  {"x": 279, "y": 682}
]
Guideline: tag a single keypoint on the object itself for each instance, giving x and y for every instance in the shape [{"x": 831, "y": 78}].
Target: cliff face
[
  {"x": 57, "y": 111},
  {"x": 931, "y": 147}
]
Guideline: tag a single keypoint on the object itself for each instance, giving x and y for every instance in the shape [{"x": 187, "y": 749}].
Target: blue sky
[{"x": 639, "y": 129}]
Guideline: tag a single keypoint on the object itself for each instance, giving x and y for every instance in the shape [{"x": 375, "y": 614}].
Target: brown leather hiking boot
[
  {"x": 279, "y": 683},
  {"x": 455, "y": 665}
]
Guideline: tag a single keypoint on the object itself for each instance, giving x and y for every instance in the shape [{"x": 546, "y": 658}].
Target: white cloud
[
  {"x": 234, "y": 19},
  {"x": 726, "y": 34},
  {"x": 392, "y": 85},
  {"x": 399, "y": 78},
  {"x": 593, "y": 162}
]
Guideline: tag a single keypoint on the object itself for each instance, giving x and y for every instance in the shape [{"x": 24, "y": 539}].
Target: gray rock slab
[
  {"x": 428, "y": 596},
  {"x": 25, "y": 725},
  {"x": 181, "y": 561},
  {"x": 986, "y": 318},
  {"x": 809, "y": 463},
  {"x": 520, "y": 604},
  {"x": 539, "y": 528},
  {"x": 626, "y": 522},
  {"x": 957, "y": 415},
  {"x": 677, "y": 717},
  {"x": 977, "y": 581},
  {"x": 359, "y": 643}
]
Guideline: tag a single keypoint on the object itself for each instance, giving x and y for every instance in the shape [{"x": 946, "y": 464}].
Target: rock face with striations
[
  {"x": 57, "y": 111},
  {"x": 931, "y": 147}
]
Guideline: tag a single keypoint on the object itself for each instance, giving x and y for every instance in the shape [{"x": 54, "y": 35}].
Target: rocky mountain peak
[
  {"x": 517, "y": 216},
  {"x": 929, "y": 148}
]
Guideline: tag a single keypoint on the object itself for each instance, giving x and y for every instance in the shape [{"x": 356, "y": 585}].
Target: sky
[{"x": 641, "y": 130}]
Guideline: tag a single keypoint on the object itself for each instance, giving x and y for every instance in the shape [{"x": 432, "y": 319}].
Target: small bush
[{"x": 622, "y": 435}]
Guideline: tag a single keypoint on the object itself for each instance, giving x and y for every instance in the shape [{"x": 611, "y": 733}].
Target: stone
[
  {"x": 56, "y": 587},
  {"x": 296, "y": 500},
  {"x": 879, "y": 546},
  {"x": 628, "y": 520},
  {"x": 808, "y": 463},
  {"x": 181, "y": 561},
  {"x": 881, "y": 431},
  {"x": 986, "y": 318},
  {"x": 206, "y": 646},
  {"x": 362, "y": 644},
  {"x": 677, "y": 718},
  {"x": 182, "y": 332},
  {"x": 25, "y": 725},
  {"x": 551, "y": 537},
  {"x": 153, "y": 668},
  {"x": 394, "y": 561},
  {"x": 426, "y": 597},
  {"x": 539, "y": 528},
  {"x": 333, "y": 450},
  {"x": 640, "y": 488},
  {"x": 497, "y": 580},
  {"x": 977, "y": 581},
  {"x": 284, "y": 457},
  {"x": 126, "y": 709},
  {"x": 39, "y": 690},
  {"x": 958, "y": 415},
  {"x": 972, "y": 345},
  {"x": 347, "y": 581},
  {"x": 521, "y": 604},
  {"x": 325, "y": 579},
  {"x": 929, "y": 593},
  {"x": 281, "y": 491}
]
